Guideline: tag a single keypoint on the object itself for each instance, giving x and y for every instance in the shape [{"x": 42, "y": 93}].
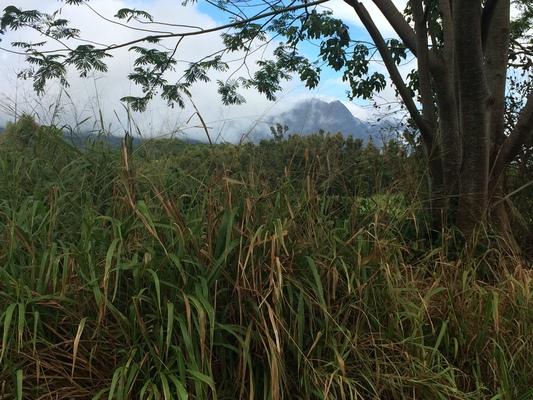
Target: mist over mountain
[
  {"x": 305, "y": 117},
  {"x": 310, "y": 116}
]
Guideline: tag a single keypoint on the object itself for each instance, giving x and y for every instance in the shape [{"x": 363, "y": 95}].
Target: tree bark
[
  {"x": 445, "y": 79},
  {"x": 434, "y": 150},
  {"x": 497, "y": 39},
  {"x": 474, "y": 109}
]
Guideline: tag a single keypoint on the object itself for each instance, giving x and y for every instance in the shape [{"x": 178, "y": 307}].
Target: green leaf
[
  {"x": 20, "y": 377},
  {"x": 8, "y": 315}
]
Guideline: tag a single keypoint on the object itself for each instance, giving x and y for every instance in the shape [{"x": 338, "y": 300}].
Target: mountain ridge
[{"x": 313, "y": 115}]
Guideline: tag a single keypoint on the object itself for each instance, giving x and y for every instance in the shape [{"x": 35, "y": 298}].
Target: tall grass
[{"x": 125, "y": 277}]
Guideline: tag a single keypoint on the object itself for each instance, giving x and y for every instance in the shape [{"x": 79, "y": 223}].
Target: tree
[{"x": 466, "y": 51}]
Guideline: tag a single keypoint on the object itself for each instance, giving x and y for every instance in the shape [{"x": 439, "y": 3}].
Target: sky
[{"x": 89, "y": 102}]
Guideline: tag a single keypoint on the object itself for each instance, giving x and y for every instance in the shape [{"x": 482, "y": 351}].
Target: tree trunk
[
  {"x": 474, "y": 111},
  {"x": 462, "y": 96},
  {"x": 445, "y": 78}
]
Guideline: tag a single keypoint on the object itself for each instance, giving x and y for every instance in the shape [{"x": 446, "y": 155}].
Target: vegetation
[
  {"x": 468, "y": 53},
  {"x": 297, "y": 268},
  {"x": 303, "y": 268}
]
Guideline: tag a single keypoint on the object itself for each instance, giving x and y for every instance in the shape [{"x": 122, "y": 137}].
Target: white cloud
[
  {"x": 86, "y": 98},
  {"x": 346, "y": 13}
]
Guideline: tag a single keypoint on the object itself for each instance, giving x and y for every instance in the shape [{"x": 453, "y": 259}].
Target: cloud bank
[{"x": 91, "y": 102}]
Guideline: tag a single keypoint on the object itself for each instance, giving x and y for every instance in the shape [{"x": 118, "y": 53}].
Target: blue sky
[
  {"x": 334, "y": 88},
  {"x": 102, "y": 92}
]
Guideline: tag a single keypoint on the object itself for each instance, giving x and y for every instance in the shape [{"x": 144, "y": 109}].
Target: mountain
[
  {"x": 313, "y": 115},
  {"x": 305, "y": 117}
]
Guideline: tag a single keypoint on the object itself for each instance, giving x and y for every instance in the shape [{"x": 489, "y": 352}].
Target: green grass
[{"x": 198, "y": 275}]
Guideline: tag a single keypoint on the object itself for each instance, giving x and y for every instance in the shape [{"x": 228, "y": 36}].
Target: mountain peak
[{"x": 312, "y": 115}]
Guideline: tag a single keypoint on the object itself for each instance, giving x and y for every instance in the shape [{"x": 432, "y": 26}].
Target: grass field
[{"x": 232, "y": 272}]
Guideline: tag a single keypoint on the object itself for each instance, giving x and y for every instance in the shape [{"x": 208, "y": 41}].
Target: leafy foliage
[
  {"x": 152, "y": 64},
  {"x": 293, "y": 26},
  {"x": 522, "y": 37},
  {"x": 85, "y": 59},
  {"x": 128, "y": 14}
]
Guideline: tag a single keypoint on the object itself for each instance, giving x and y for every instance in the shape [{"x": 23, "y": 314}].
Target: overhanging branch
[
  {"x": 221, "y": 27},
  {"x": 170, "y": 35},
  {"x": 405, "y": 93},
  {"x": 398, "y": 22}
]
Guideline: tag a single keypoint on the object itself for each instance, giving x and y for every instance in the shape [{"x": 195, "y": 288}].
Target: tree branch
[
  {"x": 400, "y": 25},
  {"x": 405, "y": 94},
  {"x": 424, "y": 76},
  {"x": 129, "y": 26},
  {"x": 444, "y": 79},
  {"x": 170, "y": 35},
  {"x": 447, "y": 32},
  {"x": 496, "y": 49},
  {"x": 522, "y": 133},
  {"x": 398, "y": 22},
  {"x": 220, "y": 27}
]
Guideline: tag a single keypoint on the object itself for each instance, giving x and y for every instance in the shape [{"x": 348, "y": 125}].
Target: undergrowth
[{"x": 207, "y": 273}]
